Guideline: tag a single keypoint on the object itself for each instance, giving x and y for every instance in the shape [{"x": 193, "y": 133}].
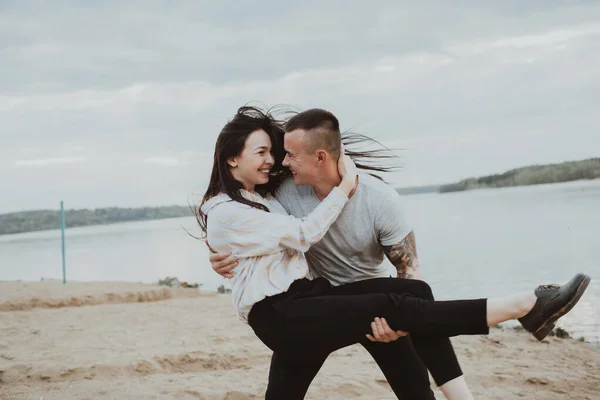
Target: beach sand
[{"x": 107, "y": 340}]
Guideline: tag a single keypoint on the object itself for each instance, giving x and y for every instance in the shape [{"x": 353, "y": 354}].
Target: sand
[{"x": 107, "y": 340}]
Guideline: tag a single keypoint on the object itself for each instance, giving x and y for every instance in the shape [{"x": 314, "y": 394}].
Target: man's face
[{"x": 303, "y": 165}]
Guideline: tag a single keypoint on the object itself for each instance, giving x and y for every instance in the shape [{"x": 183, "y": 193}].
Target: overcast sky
[{"x": 118, "y": 103}]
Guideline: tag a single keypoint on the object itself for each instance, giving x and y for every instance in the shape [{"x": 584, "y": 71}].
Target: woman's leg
[{"x": 330, "y": 322}]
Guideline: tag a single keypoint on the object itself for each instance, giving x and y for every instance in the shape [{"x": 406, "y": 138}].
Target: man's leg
[
  {"x": 435, "y": 352},
  {"x": 289, "y": 378},
  {"x": 402, "y": 367}
]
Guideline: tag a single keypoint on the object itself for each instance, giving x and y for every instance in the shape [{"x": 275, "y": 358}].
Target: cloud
[
  {"x": 554, "y": 37},
  {"x": 164, "y": 161},
  {"x": 48, "y": 161}
]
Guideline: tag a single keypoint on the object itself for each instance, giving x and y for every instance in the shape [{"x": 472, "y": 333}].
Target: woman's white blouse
[{"x": 270, "y": 246}]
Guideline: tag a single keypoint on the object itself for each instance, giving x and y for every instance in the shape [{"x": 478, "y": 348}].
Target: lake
[{"x": 471, "y": 244}]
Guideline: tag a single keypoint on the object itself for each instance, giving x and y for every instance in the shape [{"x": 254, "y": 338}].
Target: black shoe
[{"x": 553, "y": 302}]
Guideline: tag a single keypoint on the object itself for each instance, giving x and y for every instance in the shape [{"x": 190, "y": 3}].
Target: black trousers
[{"x": 312, "y": 319}]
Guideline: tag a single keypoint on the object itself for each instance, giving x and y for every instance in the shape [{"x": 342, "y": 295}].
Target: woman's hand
[
  {"x": 348, "y": 171},
  {"x": 346, "y": 167}
]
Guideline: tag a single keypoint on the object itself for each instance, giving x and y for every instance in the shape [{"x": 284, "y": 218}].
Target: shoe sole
[{"x": 549, "y": 324}]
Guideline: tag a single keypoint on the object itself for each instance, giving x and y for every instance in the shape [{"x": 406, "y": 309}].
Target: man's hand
[
  {"x": 222, "y": 263},
  {"x": 383, "y": 333}
]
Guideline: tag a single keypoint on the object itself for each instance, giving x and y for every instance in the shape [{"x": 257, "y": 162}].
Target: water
[{"x": 471, "y": 244}]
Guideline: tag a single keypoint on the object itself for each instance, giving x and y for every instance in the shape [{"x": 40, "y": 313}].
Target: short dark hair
[{"x": 322, "y": 130}]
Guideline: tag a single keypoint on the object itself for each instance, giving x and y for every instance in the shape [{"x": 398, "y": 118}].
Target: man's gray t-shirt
[{"x": 352, "y": 248}]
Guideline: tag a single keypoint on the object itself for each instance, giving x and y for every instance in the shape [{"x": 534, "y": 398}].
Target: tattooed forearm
[{"x": 404, "y": 257}]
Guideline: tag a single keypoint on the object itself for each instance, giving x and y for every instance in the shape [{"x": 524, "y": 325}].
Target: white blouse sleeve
[{"x": 249, "y": 232}]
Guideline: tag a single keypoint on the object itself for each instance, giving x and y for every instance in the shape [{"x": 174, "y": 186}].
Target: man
[{"x": 370, "y": 227}]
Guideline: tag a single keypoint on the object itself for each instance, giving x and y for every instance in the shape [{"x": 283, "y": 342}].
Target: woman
[{"x": 272, "y": 291}]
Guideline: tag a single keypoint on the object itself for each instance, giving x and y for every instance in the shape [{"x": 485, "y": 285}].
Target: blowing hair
[
  {"x": 323, "y": 130},
  {"x": 230, "y": 143}
]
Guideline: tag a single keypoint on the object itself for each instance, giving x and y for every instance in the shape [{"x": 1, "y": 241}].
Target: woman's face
[{"x": 253, "y": 165}]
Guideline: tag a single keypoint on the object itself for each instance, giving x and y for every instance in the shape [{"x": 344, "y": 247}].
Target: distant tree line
[
  {"x": 28, "y": 221},
  {"x": 532, "y": 175},
  {"x": 418, "y": 189}
]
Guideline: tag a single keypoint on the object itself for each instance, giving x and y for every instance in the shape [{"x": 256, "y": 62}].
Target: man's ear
[{"x": 321, "y": 156}]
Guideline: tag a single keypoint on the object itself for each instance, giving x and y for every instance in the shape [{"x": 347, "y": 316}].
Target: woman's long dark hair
[
  {"x": 230, "y": 143},
  {"x": 372, "y": 160}
]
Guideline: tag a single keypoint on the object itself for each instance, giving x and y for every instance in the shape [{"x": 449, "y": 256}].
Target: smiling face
[
  {"x": 303, "y": 163},
  {"x": 252, "y": 166}
]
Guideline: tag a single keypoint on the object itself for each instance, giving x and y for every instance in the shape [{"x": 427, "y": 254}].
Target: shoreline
[
  {"x": 51, "y": 294},
  {"x": 68, "y": 228}
]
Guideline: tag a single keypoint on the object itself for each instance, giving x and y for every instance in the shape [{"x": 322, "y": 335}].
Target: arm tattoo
[{"x": 404, "y": 256}]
